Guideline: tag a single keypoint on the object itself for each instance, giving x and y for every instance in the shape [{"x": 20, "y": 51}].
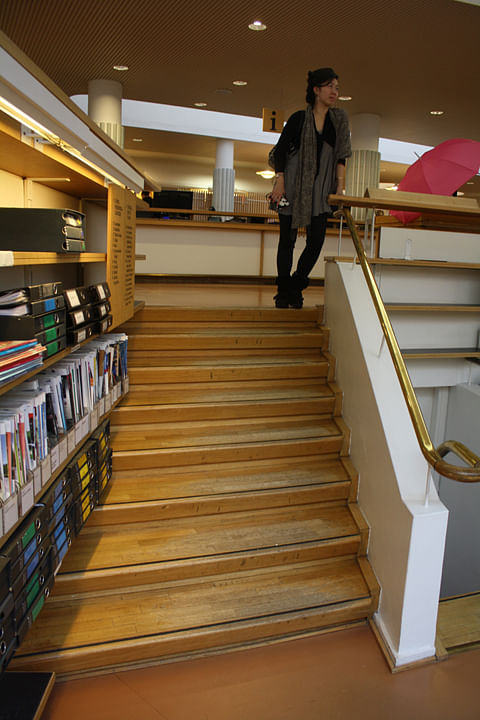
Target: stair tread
[
  {"x": 70, "y": 622},
  {"x": 224, "y": 314},
  {"x": 217, "y": 432},
  {"x": 143, "y": 485},
  {"x": 229, "y": 407},
  {"x": 175, "y": 539},
  {"x": 226, "y": 361}
]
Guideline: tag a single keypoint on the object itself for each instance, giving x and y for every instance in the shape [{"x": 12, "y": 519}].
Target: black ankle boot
[
  {"x": 283, "y": 294},
  {"x": 297, "y": 284}
]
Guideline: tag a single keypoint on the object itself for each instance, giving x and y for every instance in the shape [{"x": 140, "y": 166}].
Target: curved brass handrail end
[{"x": 456, "y": 472}]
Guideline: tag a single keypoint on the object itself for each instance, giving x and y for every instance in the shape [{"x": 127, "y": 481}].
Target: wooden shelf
[
  {"x": 26, "y": 160},
  {"x": 429, "y": 307},
  {"x": 402, "y": 263},
  {"x": 52, "y": 258},
  {"x": 440, "y": 353}
]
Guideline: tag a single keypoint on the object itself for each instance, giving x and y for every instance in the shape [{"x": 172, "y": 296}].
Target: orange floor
[
  {"x": 338, "y": 676},
  {"x": 330, "y": 677}
]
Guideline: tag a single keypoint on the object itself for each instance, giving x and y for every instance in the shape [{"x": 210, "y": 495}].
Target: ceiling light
[
  {"x": 257, "y": 25},
  {"x": 460, "y": 193},
  {"x": 137, "y": 139},
  {"x": 345, "y": 98},
  {"x": 223, "y": 91},
  {"x": 266, "y": 174},
  {"x": 437, "y": 112},
  {"x": 28, "y": 121},
  {"x": 120, "y": 68},
  {"x": 239, "y": 83},
  {"x": 200, "y": 104}
]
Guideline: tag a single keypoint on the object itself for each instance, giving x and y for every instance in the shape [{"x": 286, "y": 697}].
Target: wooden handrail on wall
[{"x": 434, "y": 456}]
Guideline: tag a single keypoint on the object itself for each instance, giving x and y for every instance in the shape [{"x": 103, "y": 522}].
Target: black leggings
[{"x": 313, "y": 245}]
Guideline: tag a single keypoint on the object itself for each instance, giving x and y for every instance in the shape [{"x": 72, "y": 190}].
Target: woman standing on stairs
[{"x": 309, "y": 161}]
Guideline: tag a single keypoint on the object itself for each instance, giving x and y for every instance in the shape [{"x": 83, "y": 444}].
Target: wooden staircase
[{"x": 231, "y": 516}]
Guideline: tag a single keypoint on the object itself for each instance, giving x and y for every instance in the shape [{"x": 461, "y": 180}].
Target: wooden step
[
  {"x": 130, "y": 544},
  {"x": 211, "y": 315},
  {"x": 217, "y": 432},
  {"x": 239, "y": 339},
  {"x": 146, "y": 358},
  {"x": 238, "y": 452},
  {"x": 151, "y": 510},
  {"x": 221, "y": 392},
  {"x": 115, "y": 628},
  {"x": 127, "y": 486},
  {"x": 230, "y": 372},
  {"x": 153, "y": 573},
  {"x": 133, "y": 414}
]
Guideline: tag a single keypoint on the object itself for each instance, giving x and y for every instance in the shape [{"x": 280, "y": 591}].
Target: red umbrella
[{"x": 440, "y": 171}]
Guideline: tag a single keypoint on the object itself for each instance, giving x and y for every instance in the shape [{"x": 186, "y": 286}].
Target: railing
[{"x": 434, "y": 456}]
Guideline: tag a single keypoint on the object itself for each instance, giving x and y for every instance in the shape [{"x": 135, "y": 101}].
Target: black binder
[
  {"x": 42, "y": 230},
  {"x": 27, "y": 327}
]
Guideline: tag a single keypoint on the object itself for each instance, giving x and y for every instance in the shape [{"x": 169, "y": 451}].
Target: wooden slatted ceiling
[{"x": 386, "y": 52}]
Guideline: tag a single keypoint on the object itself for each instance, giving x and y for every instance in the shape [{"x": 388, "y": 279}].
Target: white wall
[
  {"x": 462, "y": 552},
  {"x": 408, "y": 243},
  {"x": 221, "y": 250},
  {"x": 407, "y": 534}
]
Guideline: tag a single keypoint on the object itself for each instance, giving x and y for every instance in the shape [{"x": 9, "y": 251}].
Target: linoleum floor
[{"x": 337, "y": 676}]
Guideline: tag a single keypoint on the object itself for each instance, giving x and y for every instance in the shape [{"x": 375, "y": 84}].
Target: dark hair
[{"x": 315, "y": 79}]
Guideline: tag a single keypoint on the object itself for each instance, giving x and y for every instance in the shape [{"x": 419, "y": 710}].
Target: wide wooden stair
[{"x": 231, "y": 516}]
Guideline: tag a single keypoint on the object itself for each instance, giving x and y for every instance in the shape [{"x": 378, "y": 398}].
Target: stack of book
[
  {"x": 35, "y": 312},
  {"x": 18, "y": 357}
]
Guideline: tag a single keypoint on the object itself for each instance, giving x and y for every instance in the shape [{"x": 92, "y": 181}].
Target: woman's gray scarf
[{"x": 307, "y": 167}]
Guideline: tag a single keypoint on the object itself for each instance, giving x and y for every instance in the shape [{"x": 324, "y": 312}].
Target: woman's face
[{"x": 327, "y": 93}]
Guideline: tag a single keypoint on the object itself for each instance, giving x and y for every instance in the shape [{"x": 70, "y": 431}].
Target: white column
[
  {"x": 105, "y": 107},
  {"x": 223, "y": 176},
  {"x": 363, "y": 167}
]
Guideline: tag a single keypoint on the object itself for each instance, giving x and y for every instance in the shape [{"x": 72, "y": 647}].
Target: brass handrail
[{"x": 433, "y": 456}]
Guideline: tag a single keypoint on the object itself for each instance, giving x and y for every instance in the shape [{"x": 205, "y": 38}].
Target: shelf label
[
  {"x": 37, "y": 479},
  {"x": 46, "y": 470},
  {"x": 63, "y": 450},
  {"x": 108, "y": 402},
  {"x": 94, "y": 417},
  {"x": 71, "y": 444},
  {"x": 10, "y": 512},
  {"x": 85, "y": 422},
  {"x": 27, "y": 497},
  {"x": 54, "y": 458}
]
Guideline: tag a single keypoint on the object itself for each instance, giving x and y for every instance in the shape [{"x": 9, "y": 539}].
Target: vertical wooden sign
[{"x": 121, "y": 252}]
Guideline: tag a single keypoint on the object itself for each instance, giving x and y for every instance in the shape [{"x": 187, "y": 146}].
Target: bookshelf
[{"x": 40, "y": 174}]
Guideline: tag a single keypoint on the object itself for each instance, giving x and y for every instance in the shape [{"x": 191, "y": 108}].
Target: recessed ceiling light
[
  {"x": 137, "y": 139},
  {"x": 257, "y": 25},
  {"x": 200, "y": 104},
  {"x": 437, "y": 112},
  {"x": 223, "y": 91},
  {"x": 345, "y": 98},
  {"x": 239, "y": 82},
  {"x": 121, "y": 68}
]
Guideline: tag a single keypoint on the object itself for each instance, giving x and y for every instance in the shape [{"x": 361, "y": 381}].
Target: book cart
[{"x": 35, "y": 173}]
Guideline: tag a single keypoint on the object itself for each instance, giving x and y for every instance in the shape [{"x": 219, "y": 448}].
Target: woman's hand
[{"x": 278, "y": 190}]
